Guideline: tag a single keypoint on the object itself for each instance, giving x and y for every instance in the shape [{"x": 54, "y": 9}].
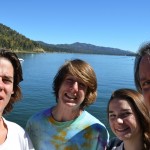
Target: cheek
[
  {"x": 12, "y": 90},
  {"x": 81, "y": 90},
  {"x": 146, "y": 92},
  {"x": 83, "y": 93},
  {"x": 111, "y": 124},
  {"x": 147, "y": 98},
  {"x": 131, "y": 121},
  {"x": 59, "y": 93}
]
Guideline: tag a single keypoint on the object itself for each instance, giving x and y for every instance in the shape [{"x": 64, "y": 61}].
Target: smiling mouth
[
  {"x": 122, "y": 130},
  {"x": 70, "y": 96},
  {"x": 1, "y": 98}
]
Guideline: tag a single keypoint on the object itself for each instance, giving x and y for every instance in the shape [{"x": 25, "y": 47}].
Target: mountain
[
  {"x": 86, "y": 48},
  {"x": 17, "y": 42},
  {"x": 11, "y": 39},
  {"x": 89, "y": 48}
]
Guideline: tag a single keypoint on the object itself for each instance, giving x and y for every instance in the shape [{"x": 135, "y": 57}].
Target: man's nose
[
  {"x": 1, "y": 84},
  {"x": 119, "y": 120},
  {"x": 76, "y": 86}
]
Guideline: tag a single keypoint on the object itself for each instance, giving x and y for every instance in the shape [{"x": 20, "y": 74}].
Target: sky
[{"x": 109, "y": 23}]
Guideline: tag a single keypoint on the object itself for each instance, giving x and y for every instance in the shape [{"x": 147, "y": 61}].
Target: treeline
[
  {"x": 85, "y": 48},
  {"x": 11, "y": 39}
]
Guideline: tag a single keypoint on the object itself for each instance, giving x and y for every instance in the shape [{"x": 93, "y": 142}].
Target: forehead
[
  {"x": 145, "y": 60},
  {"x": 6, "y": 67},
  {"x": 119, "y": 104},
  {"x": 144, "y": 66},
  {"x": 69, "y": 76},
  {"x": 75, "y": 79}
]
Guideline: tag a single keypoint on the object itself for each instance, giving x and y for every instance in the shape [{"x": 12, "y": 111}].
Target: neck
[
  {"x": 62, "y": 114},
  {"x": 136, "y": 144},
  {"x": 4, "y": 131}
]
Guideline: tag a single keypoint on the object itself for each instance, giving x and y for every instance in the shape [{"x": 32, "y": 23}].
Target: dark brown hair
[{"x": 142, "y": 114}]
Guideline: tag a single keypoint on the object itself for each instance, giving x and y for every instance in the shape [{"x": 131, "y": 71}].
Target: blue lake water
[{"x": 112, "y": 72}]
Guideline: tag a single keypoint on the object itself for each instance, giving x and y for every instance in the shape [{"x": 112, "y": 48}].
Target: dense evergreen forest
[
  {"x": 17, "y": 42},
  {"x": 11, "y": 39}
]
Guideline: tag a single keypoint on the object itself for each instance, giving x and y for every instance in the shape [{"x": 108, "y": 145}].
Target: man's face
[
  {"x": 72, "y": 92},
  {"x": 144, "y": 77},
  {"x": 6, "y": 83}
]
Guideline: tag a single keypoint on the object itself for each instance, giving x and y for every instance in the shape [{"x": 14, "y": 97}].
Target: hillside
[
  {"x": 11, "y": 39},
  {"x": 86, "y": 48},
  {"x": 89, "y": 48}
]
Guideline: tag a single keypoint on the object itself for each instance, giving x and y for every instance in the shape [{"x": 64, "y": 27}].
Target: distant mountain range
[
  {"x": 87, "y": 48},
  {"x": 17, "y": 42}
]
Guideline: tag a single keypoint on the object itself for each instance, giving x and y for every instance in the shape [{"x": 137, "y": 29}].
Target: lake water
[{"x": 112, "y": 72}]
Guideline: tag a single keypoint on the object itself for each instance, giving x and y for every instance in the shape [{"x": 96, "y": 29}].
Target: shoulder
[
  {"x": 114, "y": 143},
  {"x": 18, "y": 136},
  {"x": 95, "y": 123},
  {"x": 40, "y": 115},
  {"x": 12, "y": 126},
  {"x": 90, "y": 116},
  {"x": 92, "y": 120}
]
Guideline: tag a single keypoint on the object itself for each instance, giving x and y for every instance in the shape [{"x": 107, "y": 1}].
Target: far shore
[{"x": 30, "y": 52}]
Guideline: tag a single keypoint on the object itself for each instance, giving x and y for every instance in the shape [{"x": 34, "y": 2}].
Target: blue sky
[{"x": 110, "y": 23}]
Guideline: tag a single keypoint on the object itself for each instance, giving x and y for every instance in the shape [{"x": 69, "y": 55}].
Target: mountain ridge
[
  {"x": 78, "y": 47},
  {"x": 17, "y": 42}
]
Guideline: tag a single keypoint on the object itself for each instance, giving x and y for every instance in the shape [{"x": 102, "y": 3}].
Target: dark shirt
[{"x": 115, "y": 144}]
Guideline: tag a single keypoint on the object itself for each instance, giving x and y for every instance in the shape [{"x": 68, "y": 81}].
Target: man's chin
[{"x": 70, "y": 104}]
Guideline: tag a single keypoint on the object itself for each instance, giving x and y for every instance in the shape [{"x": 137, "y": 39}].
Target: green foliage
[{"x": 11, "y": 39}]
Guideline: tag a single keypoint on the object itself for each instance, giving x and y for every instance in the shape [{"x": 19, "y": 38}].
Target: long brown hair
[{"x": 142, "y": 114}]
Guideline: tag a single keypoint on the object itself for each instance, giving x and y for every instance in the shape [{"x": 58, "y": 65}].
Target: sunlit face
[
  {"x": 144, "y": 76},
  {"x": 122, "y": 120},
  {"x": 72, "y": 92},
  {"x": 6, "y": 82}
]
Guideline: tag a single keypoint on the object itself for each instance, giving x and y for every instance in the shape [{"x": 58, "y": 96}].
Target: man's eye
[
  {"x": 82, "y": 85},
  {"x": 69, "y": 81},
  {"x": 7, "y": 81},
  {"x": 112, "y": 116},
  {"x": 145, "y": 84}
]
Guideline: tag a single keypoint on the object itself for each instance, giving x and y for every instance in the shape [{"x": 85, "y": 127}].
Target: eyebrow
[
  {"x": 110, "y": 111},
  {"x": 123, "y": 110},
  {"x": 8, "y": 77},
  {"x": 142, "y": 79}
]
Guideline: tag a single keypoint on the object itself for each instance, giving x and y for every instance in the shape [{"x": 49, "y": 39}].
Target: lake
[{"x": 112, "y": 72}]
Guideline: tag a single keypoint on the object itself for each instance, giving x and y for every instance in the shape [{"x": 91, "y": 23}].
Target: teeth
[
  {"x": 70, "y": 96},
  {"x": 121, "y": 130}
]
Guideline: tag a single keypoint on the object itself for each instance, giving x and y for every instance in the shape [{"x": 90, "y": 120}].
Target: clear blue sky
[{"x": 111, "y": 23}]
